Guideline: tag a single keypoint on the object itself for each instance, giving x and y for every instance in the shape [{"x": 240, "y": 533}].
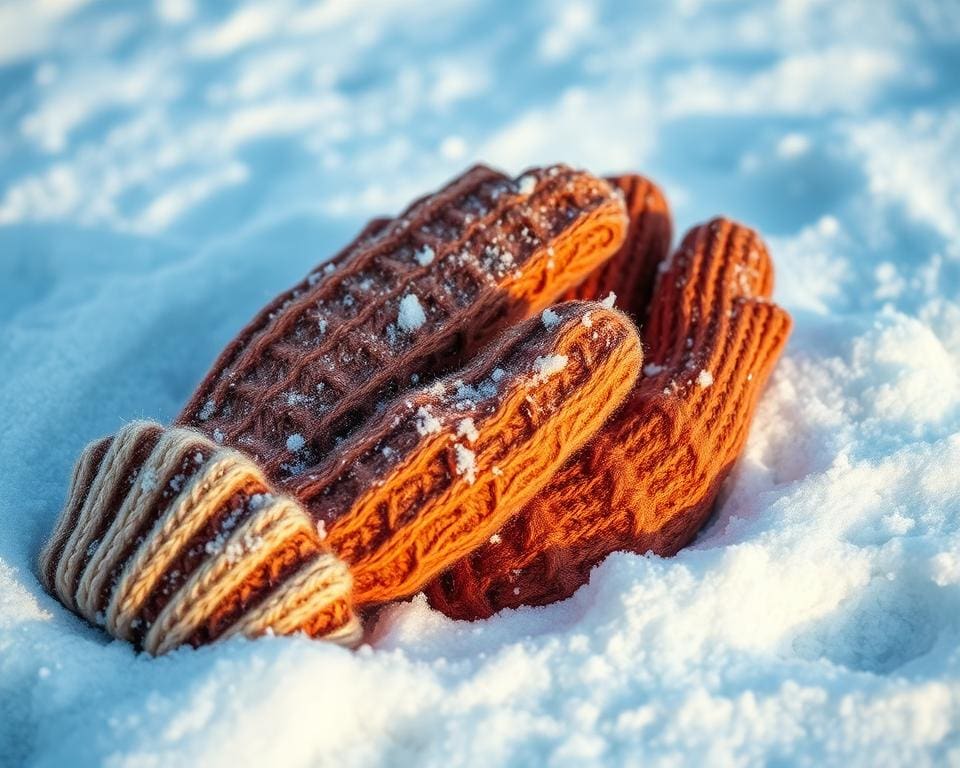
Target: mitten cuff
[{"x": 168, "y": 538}]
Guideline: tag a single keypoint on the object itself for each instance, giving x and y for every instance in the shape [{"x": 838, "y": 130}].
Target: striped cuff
[{"x": 167, "y": 538}]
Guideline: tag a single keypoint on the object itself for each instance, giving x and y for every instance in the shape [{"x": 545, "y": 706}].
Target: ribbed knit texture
[
  {"x": 350, "y": 444},
  {"x": 167, "y": 539},
  {"x": 630, "y": 272},
  {"x": 648, "y": 480}
]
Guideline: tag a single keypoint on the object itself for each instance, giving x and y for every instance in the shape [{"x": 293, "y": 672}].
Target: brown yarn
[
  {"x": 112, "y": 569},
  {"x": 312, "y": 380},
  {"x": 648, "y": 480},
  {"x": 477, "y": 256},
  {"x": 438, "y": 472},
  {"x": 370, "y": 450}
]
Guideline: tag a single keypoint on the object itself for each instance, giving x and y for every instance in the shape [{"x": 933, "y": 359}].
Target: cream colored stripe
[
  {"x": 94, "y": 508},
  {"x": 206, "y": 493},
  {"x": 80, "y": 480},
  {"x": 137, "y": 505},
  {"x": 268, "y": 528},
  {"x": 349, "y": 635},
  {"x": 318, "y": 584}
]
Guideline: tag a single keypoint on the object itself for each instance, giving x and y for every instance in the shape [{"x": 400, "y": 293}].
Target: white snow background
[{"x": 166, "y": 168}]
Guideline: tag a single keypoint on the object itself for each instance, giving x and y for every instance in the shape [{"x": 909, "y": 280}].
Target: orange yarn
[
  {"x": 472, "y": 259},
  {"x": 319, "y": 390},
  {"x": 340, "y": 393},
  {"x": 439, "y": 472},
  {"x": 648, "y": 480},
  {"x": 630, "y": 272}
]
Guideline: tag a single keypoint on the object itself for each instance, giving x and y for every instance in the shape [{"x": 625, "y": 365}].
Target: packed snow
[
  {"x": 167, "y": 168},
  {"x": 466, "y": 462},
  {"x": 549, "y": 318},
  {"x": 544, "y": 366},
  {"x": 411, "y": 315}
]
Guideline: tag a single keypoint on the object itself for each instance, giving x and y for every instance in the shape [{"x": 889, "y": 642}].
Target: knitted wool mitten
[
  {"x": 307, "y": 476},
  {"x": 648, "y": 480}
]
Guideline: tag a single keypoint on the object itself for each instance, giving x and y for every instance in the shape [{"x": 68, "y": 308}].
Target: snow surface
[{"x": 167, "y": 168}]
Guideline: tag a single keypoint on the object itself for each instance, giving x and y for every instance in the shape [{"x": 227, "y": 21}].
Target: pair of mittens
[
  {"x": 351, "y": 443},
  {"x": 371, "y": 431}
]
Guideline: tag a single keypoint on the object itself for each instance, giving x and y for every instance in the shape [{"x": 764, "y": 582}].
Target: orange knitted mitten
[{"x": 648, "y": 480}]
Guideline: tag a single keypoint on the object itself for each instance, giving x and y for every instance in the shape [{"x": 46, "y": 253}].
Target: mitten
[
  {"x": 325, "y": 464},
  {"x": 648, "y": 480}
]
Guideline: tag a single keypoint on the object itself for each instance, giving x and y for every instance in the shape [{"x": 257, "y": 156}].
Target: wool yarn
[
  {"x": 409, "y": 298},
  {"x": 439, "y": 472},
  {"x": 310, "y": 425},
  {"x": 168, "y": 538},
  {"x": 648, "y": 480}
]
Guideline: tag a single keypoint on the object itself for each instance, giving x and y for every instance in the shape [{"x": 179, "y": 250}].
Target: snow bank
[{"x": 815, "y": 621}]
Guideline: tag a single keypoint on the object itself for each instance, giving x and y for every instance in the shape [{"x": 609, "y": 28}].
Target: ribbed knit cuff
[{"x": 167, "y": 538}]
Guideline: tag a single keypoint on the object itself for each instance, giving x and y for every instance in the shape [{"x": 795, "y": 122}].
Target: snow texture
[
  {"x": 466, "y": 462},
  {"x": 166, "y": 168},
  {"x": 549, "y": 318},
  {"x": 411, "y": 315},
  {"x": 425, "y": 256},
  {"x": 546, "y": 365},
  {"x": 426, "y": 423}
]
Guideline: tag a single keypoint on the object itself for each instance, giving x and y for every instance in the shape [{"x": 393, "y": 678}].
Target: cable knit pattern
[{"x": 649, "y": 479}]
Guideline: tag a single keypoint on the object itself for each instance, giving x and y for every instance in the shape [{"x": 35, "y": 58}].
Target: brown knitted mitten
[
  {"x": 308, "y": 426},
  {"x": 648, "y": 480}
]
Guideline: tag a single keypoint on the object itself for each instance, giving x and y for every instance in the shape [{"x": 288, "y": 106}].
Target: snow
[
  {"x": 149, "y": 480},
  {"x": 549, "y": 318},
  {"x": 466, "y": 463},
  {"x": 526, "y": 184},
  {"x": 167, "y": 168},
  {"x": 411, "y": 315},
  {"x": 424, "y": 256},
  {"x": 209, "y": 407},
  {"x": 466, "y": 428},
  {"x": 704, "y": 378},
  {"x": 295, "y": 442},
  {"x": 426, "y": 423},
  {"x": 544, "y": 366}
]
